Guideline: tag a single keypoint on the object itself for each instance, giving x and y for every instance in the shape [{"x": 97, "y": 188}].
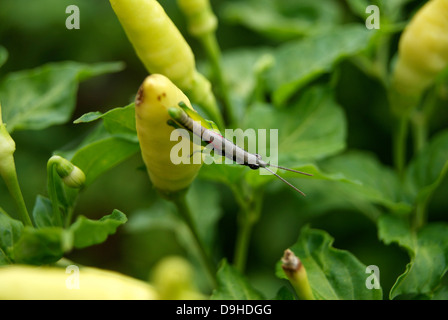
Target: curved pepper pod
[
  {"x": 163, "y": 50},
  {"x": 51, "y": 283},
  {"x": 156, "y": 95},
  {"x": 156, "y": 40},
  {"x": 423, "y": 49}
]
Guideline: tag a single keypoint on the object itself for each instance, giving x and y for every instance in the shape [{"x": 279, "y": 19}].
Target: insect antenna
[
  {"x": 289, "y": 184},
  {"x": 292, "y": 170}
]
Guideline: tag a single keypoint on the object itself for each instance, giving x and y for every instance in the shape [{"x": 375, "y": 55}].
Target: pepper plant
[{"x": 363, "y": 110}]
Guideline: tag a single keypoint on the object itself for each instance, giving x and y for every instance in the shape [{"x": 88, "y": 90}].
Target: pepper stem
[
  {"x": 9, "y": 173},
  {"x": 180, "y": 201}
]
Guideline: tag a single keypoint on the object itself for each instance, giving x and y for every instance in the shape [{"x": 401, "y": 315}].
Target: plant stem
[
  {"x": 242, "y": 241},
  {"x": 420, "y": 215},
  {"x": 420, "y": 119},
  {"x": 382, "y": 58},
  {"x": 248, "y": 215},
  {"x": 400, "y": 139},
  {"x": 420, "y": 131},
  {"x": 68, "y": 218},
  {"x": 213, "y": 52},
  {"x": 12, "y": 182},
  {"x": 51, "y": 172},
  {"x": 180, "y": 201},
  {"x": 9, "y": 173}
]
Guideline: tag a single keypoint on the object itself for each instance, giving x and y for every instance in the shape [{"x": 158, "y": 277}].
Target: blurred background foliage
[{"x": 34, "y": 33}]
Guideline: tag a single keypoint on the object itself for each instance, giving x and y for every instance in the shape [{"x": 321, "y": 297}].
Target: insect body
[{"x": 185, "y": 117}]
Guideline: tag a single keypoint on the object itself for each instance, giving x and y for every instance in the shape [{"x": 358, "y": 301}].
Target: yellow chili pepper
[
  {"x": 423, "y": 49},
  {"x": 156, "y": 95},
  {"x": 50, "y": 283},
  {"x": 163, "y": 50}
]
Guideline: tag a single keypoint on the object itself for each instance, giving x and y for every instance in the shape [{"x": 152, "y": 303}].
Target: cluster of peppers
[{"x": 423, "y": 54}]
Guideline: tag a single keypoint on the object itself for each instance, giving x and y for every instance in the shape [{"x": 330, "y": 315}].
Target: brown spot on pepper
[{"x": 139, "y": 97}]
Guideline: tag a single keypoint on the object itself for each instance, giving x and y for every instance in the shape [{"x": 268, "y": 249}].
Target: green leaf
[
  {"x": 87, "y": 232},
  {"x": 3, "y": 55},
  {"x": 428, "y": 250},
  {"x": 233, "y": 286},
  {"x": 160, "y": 215},
  {"x": 100, "y": 152},
  {"x": 38, "y": 98},
  {"x": 284, "y": 294},
  {"x": 43, "y": 212},
  {"x": 109, "y": 144},
  {"x": 311, "y": 128},
  {"x": 10, "y": 231},
  {"x": 228, "y": 174},
  {"x": 427, "y": 170},
  {"x": 299, "y": 143},
  {"x": 392, "y": 9},
  {"x": 243, "y": 69},
  {"x": 284, "y": 19},
  {"x": 119, "y": 122},
  {"x": 42, "y": 246},
  {"x": 358, "y": 7},
  {"x": 393, "y": 229},
  {"x": 299, "y": 62},
  {"x": 203, "y": 202},
  {"x": 333, "y": 274},
  {"x": 101, "y": 156},
  {"x": 368, "y": 180},
  {"x": 206, "y": 212},
  {"x": 234, "y": 174},
  {"x": 441, "y": 293},
  {"x": 4, "y": 260}
]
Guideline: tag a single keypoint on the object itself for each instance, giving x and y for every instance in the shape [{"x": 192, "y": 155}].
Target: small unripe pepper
[
  {"x": 50, "y": 283},
  {"x": 173, "y": 279},
  {"x": 156, "y": 95},
  {"x": 70, "y": 174},
  {"x": 7, "y": 148},
  {"x": 423, "y": 49},
  {"x": 297, "y": 276}
]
